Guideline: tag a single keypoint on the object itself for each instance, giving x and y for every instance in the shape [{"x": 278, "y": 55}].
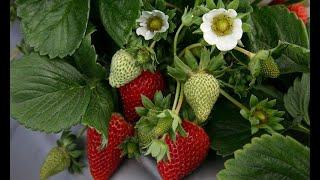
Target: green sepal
[
  {"x": 158, "y": 149},
  {"x": 246, "y": 27},
  {"x": 178, "y": 74},
  {"x": 147, "y": 103},
  {"x": 205, "y": 59},
  {"x": 141, "y": 111},
  {"x": 233, "y": 5},
  {"x": 130, "y": 147},
  {"x": 190, "y": 60},
  {"x": 220, "y": 4},
  {"x": 216, "y": 63},
  {"x": 210, "y": 4},
  {"x": 180, "y": 65},
  {"x": 200, "y": 10},
  {"x": 197, "y": 31}
]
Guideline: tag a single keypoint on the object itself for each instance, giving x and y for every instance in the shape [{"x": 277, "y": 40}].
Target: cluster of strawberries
[{"x": 186, "y": 153}]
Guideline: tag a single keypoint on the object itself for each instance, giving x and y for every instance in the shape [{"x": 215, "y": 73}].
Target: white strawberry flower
[
  {"x": 152, "y": 22},
  {"x": 222, "y": 28}
]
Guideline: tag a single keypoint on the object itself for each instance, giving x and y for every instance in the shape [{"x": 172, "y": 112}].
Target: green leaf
[
  {"x": 269, "y": 157},
  {"x": 296, "y": 101},
  {"x": 86, "y": 58},
  {"x": 227, "y": 131},
  {"x": 273, "y": 23},
  {"x": 47, "y": 95},
  {"x": 119, "y": 17},
  {"x": 293, "y": 54},
  {"x": 99, "y": 109},
  {"x": 54, "y": 28},
  {"x": 233, "y": 5}
]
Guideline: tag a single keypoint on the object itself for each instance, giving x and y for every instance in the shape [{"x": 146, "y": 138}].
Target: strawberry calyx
[
  {"x": 156, "y": 122},
  {"x": 262, "y": 115},
  {"x": 71, "y": 143},
  {"x": 130, "y": 147},
  {"x": 144, "y": 56}
]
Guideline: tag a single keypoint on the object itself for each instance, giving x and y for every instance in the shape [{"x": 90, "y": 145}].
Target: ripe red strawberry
[
  {"x": 104, "y": 162},
  {"x": 186, "y": 154},
  {"x": 148, "y": 84},
  {"x": 300, "y": 10}
]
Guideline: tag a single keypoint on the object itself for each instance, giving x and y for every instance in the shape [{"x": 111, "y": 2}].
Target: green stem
[
  {"x": 81, "y": 131},
  {"x": 248, "y": 53},
  {"x": 180, "y": 100},
  {"x": 226, "y": 84},
  {"x": 176, "y": 96},
  {"x": 152, "y": 44},
  {"x": 190, "y": 47},
  {"x": 175, "y": 41},
  {"x": 234, "y": 101}
]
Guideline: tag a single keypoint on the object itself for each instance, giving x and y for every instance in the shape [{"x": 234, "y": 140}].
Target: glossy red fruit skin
[
  {"x": 300, "y": 10},
  {"x": 104, "y": 162},
  {"x": 186, "y": 154},
  {"x": 148, "y": 84}
]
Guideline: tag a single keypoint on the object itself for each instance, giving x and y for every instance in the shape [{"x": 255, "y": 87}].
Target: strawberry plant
[{"x": 174, "y": 80}]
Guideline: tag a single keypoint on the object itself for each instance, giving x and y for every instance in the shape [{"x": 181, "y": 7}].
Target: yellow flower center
[
  {"x": 155, "y": 23},
  {"x": 222, "y": 25}
]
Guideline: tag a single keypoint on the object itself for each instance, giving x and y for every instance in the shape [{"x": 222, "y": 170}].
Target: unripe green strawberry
[
  {"x": 57, "y": 161},
  {"x": 162, "y": 127},
  {"x": 269, "y": 68},
  {"x": 124, "y": 69},
  {"x": 201, "y": 91},
  {"x": 145, "y": 137}
]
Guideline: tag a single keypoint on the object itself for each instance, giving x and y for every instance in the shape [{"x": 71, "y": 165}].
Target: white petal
[
  {"x": 232, "y": 13},
  {"x": 164, "y": 27},
  {"x": 211, "y": 14},
  {"x": 149, "y": 35},
  {"x": 226, "y": 43},
  {"x": 237, "y": 29},
  {"x": 146, "y": 14},
  {"x": 210, "y": 37},
  {"x": 158, "y": 13},
  {"x": 141, "y": 31},
  {"x": 166, "y": 17},
  {"x": 143, "y": 24},
  {"x": 205, "y": 27}
]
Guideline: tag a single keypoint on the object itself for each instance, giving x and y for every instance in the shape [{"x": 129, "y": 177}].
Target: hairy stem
[
  {"x": 175, "y": 41},
  {"x": 152, "y": 44},
  {"x": 190, "y": 47},
  {"x": 176, "y": 96},
  {"x": 234, "y": 101},
  {"x": 180, "y": 100},
  {"x": 246, "y": 52}
]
